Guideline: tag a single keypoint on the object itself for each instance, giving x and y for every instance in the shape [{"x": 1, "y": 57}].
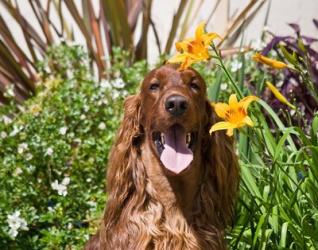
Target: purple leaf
[
  {"x": 315, "y": 22},
  {"x": 309, "y": 40},
  {"x": 295, "y": 27}
]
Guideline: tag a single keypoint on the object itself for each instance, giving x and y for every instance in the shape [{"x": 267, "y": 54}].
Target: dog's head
[{"x": 174, "y": 115}]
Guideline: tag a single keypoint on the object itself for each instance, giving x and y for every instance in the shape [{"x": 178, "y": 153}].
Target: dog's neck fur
[{"x": 174, "y": 190}]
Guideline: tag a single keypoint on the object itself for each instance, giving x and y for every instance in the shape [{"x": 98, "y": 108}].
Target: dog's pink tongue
[{"x": 176, "y": 155}]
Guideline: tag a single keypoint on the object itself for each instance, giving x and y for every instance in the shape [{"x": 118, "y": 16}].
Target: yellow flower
[
  {"x": 234, "y": 114},
  {"x": 186, "y": 59},
  {"x": 268, "y": 61},
  {"x": 279, "y": 95},
  {"x": 194, "y": 49}
]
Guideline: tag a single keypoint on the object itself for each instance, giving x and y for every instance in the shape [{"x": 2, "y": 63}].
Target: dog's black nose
[{"x": 176, "y": 105}]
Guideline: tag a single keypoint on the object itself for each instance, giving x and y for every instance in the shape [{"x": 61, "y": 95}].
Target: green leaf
[
  {"x": 259, "y": 228},
  {"x": 283, "y": 235},
  {"x": 278, "y": 122},
  {"x": 289, "y": 57},
  {"x": 214, "y": 88},
  {"x": 301, "y": 45}
]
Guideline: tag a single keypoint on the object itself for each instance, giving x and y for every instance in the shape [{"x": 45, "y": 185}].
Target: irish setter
[{"x": 171, "y": 185}]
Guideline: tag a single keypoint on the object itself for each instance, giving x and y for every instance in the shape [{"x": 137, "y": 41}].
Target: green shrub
[{"x": 54, "y": 149}]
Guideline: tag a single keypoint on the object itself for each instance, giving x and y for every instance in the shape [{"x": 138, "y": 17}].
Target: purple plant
[{"x": 299, "y": 85}]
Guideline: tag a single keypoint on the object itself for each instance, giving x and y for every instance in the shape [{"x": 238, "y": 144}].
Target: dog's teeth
[
  {"x": 162, "y": 139},
  {"x": 188, "y": 138}
]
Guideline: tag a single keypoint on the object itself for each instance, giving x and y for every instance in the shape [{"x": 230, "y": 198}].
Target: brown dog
[{"x": 171, "y": 184}]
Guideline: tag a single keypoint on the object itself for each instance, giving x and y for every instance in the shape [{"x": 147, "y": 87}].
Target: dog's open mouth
[{"x": 175, "y": 147}]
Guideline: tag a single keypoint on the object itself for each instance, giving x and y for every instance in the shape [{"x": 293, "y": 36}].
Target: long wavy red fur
[{"x": 143, "y": 211}]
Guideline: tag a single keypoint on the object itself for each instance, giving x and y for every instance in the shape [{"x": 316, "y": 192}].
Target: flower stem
[{"x": 234, "y": 85}]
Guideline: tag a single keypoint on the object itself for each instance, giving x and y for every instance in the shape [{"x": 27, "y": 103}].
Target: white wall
[{"x": 282, "y": 12}]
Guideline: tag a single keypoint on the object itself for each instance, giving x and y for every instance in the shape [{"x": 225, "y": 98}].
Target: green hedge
[{"x": 54, "y": 149}]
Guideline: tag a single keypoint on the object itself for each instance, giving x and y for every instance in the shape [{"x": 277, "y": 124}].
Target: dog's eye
[
  {"x": 194, "y": 86},
  {"x": 154, "y": 86}
]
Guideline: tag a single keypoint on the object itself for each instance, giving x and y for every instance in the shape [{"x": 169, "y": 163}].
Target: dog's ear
[
  {"x": 123, "y": 159},
  {"x": 222, "y": 172},
  {"x": 130, "y": 129}
]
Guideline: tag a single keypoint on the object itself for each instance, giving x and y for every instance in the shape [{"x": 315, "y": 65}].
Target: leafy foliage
[
  {"x": 61, "y": 135},
  {"x": 278, "y": 158}
]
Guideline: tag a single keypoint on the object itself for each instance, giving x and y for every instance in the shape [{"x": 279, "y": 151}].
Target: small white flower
[
  {"x": 86, "y": 108},
  {"x": 292, "y": 112},
  {"x": 7, "y": 120},
  {"x": 28, "y": 156},
  {"x": 13, "y": 232},
  {"x": 51, "y": 209},
  {"x": 18, "y": 171},
  {"x": 92, "y": 203},
  {"x": 3, "y": 134},
  {"x": 49, "y": 151},
  {"x": 105, "y": 84},
  {"x": 22, "y": 147},
  {"x": 88, "y": 179},
  {"x": 61, "y": 188},
  {"x": 118, "y": 83},
  {"x": 236, "y": 65},
  {"x": 223, "y": 86},
  {"x": 82, "y": 117},
  {"x": 15, "y": 131},
  {"x": 15, "y": 223},
  {"x": 102, "y": 126},
  {"x": 66, "y": 181},
  {"x": 63, "y": 130},
  {"x": 116, "y": 94}
]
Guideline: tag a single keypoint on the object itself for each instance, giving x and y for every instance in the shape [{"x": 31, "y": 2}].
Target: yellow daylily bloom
[
  {"x": 279, "y": 95},
  {"x": 234, "y": 114},
  {"x": 185, "y": 59},
  {"x": 194, "y": 49},
  {"x": 268, "y": 61}
]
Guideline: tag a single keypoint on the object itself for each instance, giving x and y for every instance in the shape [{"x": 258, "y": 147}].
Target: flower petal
[
  {"x": 247, "y": 120},
  {"x": 268, "y": 61},
  {"x": 199, "y": 30},
  {"x": 207, "y": 38},
  {"x": 246, "y": 101},
  {"x": 278, "y": 95},
  {"x": 221, "y": 126},
  {"x": 220, "y": 109},
  {"x": 233, "y": 101},
  {"x": 229, "y": 132},
  {"x": 178, "y": 58},
  {"x": 186, "y": 63},
  {"x": 183, "y": 45}
]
